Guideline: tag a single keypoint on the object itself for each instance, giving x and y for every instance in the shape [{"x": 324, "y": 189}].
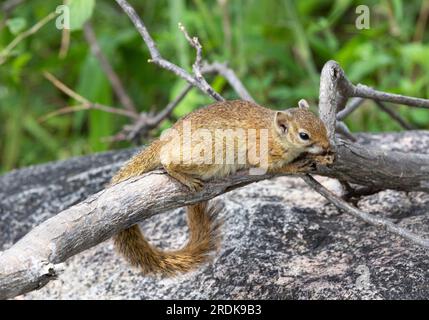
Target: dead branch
[
  {"x": 156, "y": 57},
  {"x": 147, "y": 122},
  {"x": 35, "y": 259},
  {"x": 336, "y": 89},
  {"x": 230, "y": 76},
  {"x": 351, "y": 106},
  {"x": 372, "y": 220},
  {"x": 364, "y": 91}
]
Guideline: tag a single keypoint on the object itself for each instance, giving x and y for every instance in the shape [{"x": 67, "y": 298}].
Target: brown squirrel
[{"x": 290, "y": 134}]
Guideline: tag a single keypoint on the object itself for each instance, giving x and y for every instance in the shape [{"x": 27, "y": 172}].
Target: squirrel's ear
[
  {"x": 303, "y": 104},
  {"x": 281, "y": 121}
]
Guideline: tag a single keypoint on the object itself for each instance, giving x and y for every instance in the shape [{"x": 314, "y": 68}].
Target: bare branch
[
  {"x": 350, "y": 107},
  {"x": 372, "y": 166},
  {"x": 333, "y": 94},
  {"x": 363, "y": 91},
  {"x": 114, "y": 80},
  {"x": 146, "y": 123},
  {"x": 159, "y": 60},
  {"x": 231, "y": 77},
  {"x": 34, "y": 260},
  {"x": 375, "y": 221}
]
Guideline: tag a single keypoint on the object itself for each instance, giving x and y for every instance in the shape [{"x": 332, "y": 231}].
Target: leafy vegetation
[{"x": 276, "y": 47}]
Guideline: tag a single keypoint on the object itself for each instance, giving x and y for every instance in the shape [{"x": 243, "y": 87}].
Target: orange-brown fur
[{"x": 283, "y": 148}]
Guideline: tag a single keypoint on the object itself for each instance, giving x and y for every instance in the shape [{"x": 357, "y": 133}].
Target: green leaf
[
  {"x": 16, "y": 25},
  {"x": 80, "y": 12}
]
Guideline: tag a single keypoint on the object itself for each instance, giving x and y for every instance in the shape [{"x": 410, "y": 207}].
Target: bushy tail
[{"x": 204, "y": 237}]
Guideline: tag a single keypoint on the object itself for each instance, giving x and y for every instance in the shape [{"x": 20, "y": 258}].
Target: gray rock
[{"x": 281, "y": 240}]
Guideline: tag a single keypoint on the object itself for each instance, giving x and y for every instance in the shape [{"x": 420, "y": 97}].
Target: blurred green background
[{"x": 277, "y": 47}]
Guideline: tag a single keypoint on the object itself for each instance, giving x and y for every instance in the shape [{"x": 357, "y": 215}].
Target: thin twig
[
  {"x": 394, "y": 115},
  {"x": 146, "y": 123},
  {"x": 84, "y": 103},
  {"x": 230, "y": 76},
  {"x": 81, "y": 107},
  {"x": 57, "y": 83},
  {"x": 159, "y": 60},
  {"x": 114, "y": 80},
  {"x": 353, "y": 104},
  {"x": 4, "y": 54},
  {"x": 375, "y": 221}
]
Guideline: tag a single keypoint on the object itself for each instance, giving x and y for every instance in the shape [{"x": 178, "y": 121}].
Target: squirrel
[{"x": 291, "y": 134}]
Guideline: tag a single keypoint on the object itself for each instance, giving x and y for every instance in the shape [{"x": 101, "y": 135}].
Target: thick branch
[
  {"x": 33, "y": 261},
  {"x": 333, "y": 94},
  {"x": 371, "y": 166}
]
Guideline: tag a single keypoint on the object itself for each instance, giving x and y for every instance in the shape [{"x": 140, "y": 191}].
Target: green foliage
[
  {"x": 80, "y": 12},
  {"x": 276, "y": 47}
]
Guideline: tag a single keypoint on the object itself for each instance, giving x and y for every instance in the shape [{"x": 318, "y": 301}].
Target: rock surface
[{"x": 281, "y": 240}]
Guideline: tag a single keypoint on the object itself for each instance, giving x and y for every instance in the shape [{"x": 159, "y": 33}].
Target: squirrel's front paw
[
  {"x": 305, "y": 165},
  {"x": 326, "y": 159}
]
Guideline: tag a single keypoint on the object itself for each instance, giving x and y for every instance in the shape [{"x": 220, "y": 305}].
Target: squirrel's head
[{"x": 302, "y": 130}]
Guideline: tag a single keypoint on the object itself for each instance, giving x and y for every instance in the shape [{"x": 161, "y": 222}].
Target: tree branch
[
  {"x": 85, "y": 104},
  {"x": 156, "y": 57},
  {"x": 350, "y": 107},
  {"x": 230, "y": 76},
  {"x": 114, "y": 80},
  {"x": 372, "y": 220},
  {"x": 34, "y": 260},
  {"x": 364, "y": 91}
]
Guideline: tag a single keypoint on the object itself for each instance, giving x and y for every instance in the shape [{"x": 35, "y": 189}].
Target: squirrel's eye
[{"x": 304, "y": 136}]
